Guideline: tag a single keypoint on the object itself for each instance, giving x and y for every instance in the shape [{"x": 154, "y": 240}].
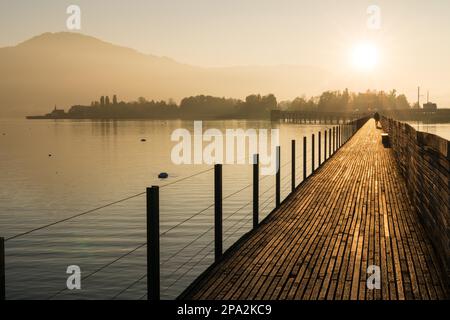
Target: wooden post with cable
[
  {"x": 153, "y": 250},
  {"x": 293, "y": 166},
  {"x": 255, "y": 191},
  {"x": 304, "y": 158},
  {"x": 218, "y": 212},
  {"x": 313, "y": 153},
  {"x": 2, "y": 270},
  {"x": 278, "y": 178},
  {"x": 319, "y": 149}
]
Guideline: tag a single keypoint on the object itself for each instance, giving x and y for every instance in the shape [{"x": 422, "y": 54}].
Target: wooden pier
[
  {"x": 352, "y": 213},
  {"x": 315, "y": 117}
]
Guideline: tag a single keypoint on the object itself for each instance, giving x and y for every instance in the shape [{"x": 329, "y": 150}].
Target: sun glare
[{"x": 364, "y": 56}]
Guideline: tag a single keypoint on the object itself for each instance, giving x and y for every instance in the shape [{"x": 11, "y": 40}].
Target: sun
[{"x": 364, "y": 56}]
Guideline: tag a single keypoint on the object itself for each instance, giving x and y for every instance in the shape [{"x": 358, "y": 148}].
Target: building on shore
[
  {"x": 429, "y": 106},
  {"x": 56, "y": 113}
]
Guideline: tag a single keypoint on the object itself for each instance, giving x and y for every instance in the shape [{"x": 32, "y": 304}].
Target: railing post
[
  {"x": 338, "y": 136},
  {"x": 304, "y": 158},
  {"x": 217, "y": 212},
  {"x": 325, "y": 147},
  {"x": 329, "y": 142},
  {"x": 2, "y": 270},
  {"x": 312, "y": 152},
  {"x": 278, "y": 178},
  {"x": 255, "y": 190},
  {"x": 293, "y": 165},
  {"x": 153, "y": 272},
  {"x": 319, "y": 148},
  {"x": 344, "y": 133},
  {"x": 334, "y": 140}
]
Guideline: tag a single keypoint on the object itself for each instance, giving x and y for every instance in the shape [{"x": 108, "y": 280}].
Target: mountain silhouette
[{"x": 70, "y": 68}]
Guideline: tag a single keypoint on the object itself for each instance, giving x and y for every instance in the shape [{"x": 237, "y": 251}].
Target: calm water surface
[
  {"x": 440, "y": 129},
  {"x": 54, "y": 169}
]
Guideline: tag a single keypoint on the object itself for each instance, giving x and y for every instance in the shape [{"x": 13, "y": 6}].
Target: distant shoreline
[
  {"x": 45, "y": 117},
  {"x": 413, "y": 115},
  {"x": 254, "y": 107}
]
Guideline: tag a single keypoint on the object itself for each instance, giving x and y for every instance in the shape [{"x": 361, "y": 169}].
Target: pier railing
[
  {"x": 206, "y": 248},
  {"x": 316, "y": 117},
  {"x": 424, "y": 161}
]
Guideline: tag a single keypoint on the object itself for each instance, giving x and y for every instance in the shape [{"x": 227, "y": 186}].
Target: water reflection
[{"x": 439, "y": 129}]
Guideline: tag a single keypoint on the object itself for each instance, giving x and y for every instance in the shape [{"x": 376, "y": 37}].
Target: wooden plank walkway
[{"x": 352, "y": 213}]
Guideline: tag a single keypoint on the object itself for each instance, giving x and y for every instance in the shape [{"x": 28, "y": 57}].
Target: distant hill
[{"x": 70, "y": 68}]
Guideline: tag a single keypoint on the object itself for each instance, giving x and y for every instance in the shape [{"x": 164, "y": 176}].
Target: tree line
[
  {"x": 345, "y": 101},
  {"x": 254, "y": 106}
]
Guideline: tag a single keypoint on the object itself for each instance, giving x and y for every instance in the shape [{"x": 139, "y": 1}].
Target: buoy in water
[{"x": 163, "y": 175}]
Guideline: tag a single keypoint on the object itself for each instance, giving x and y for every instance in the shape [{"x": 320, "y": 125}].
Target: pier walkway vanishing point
[{"x": 352, "y": 213}]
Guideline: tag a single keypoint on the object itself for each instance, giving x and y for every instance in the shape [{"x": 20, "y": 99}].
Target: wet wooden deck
[{"x": 352, "y": 213}]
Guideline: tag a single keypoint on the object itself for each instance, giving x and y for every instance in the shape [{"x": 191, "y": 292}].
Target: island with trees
[{"x": 254, "y": 106}]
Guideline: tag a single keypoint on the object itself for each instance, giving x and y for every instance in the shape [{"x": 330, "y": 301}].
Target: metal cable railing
[
  {"x": 102, "y": 268},
  {"x": 100, "y": 207},
  {"x": 130, "y": 286},
  {"x": 126, "y": 254},
  {"x": 203, "y": 257},
  {"x": 72, "y": 217}
]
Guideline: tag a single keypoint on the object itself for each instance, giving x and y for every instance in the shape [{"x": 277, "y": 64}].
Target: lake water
[
  {"x": 51, "y": 170},
  {"x": 440, "y": 129}
]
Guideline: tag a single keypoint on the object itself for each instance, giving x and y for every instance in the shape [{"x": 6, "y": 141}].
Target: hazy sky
[{"x": 413, "y": 43}]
